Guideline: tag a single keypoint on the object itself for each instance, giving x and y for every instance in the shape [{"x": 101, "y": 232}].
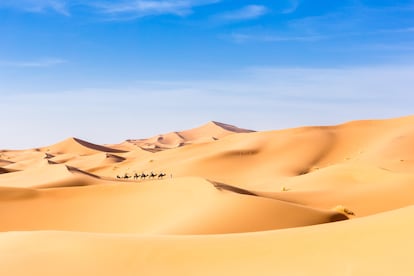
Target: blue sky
[{"x": 106, "y": 71}]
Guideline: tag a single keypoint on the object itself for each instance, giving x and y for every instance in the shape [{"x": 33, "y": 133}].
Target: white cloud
[
  {"x": 401, "y": 30},
  {"x": 293, "y": 6},
  {"x": 116, "y": 9},
  {"x": 141, "y": 8},
  {"x": 257, "y": 98},
  {"x": 357, "y": 19},
  {"x": 246, "y": 13},
  {"x": 46, "y": 62},
  {"x": 240, "y": 37},
  {"x": 352, "y": 83},
  {"x": 37, "y": 6}
]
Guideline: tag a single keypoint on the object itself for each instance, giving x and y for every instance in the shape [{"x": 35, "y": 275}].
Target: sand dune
[
  {"x": 5, "y": 162},
  {"x": 267, "y": 159},
  {"x": 190, "y": 206},
  {"x": 95, "y": 162},
  {"x": 377, "y": 245},
  {"x": 209, "y": 132},
  {"x": 78, "y": 146},
  {"x": 48, "y": 176},
  {"x": 332, "y": 200}
]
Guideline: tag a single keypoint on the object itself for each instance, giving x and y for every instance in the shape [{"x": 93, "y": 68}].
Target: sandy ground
[{"x": 334, "y": 200}]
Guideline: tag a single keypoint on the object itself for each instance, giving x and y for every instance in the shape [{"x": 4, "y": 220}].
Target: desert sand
[{"x": 222, "y": 200}]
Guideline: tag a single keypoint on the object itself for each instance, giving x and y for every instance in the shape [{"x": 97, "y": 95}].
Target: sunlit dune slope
[
  {"x": 181, "y": 206},
  {"x": 377, "y": 245},
  {"x": 266, "y": 159},
  {"x": 49, "y": 176},
  {"x": 354, "y": 164},
  {"x": 363, "y": 189}
]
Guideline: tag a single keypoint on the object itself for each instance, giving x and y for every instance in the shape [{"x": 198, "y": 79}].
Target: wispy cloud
[
  {"x": 364, "y": 19},
  {"x": 257, "y": 98},
  {"x": 140, "y": 8},
  {"x": 116, "y": 9},
  {"x": 334, "y": 22},
  {"x": 401, "y": 30},
  {"x": 46, "y": 62},
  {"x": 292, "y": 6},
  {"x": 37, "y": 6},
  {"x": 239, "y": 37},
  {"x": 330, "y": 82},
  {"x": 400, "y": 47},
  {"x": 245, "y": 13}
]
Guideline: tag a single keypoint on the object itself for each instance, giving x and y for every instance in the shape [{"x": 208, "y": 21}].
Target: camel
[
  {"x": 136, "y": 176},
  {"x": 161, "y": 175},
  {"x": 143, "y": 176},
  {"x": 126, "y": 176}
]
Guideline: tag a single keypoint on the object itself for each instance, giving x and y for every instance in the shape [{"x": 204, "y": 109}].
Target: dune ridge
[
  {"x": 208, "y": 132},
  {"x": 214, "y": 200},
  {"x": 78, "y": 146}
]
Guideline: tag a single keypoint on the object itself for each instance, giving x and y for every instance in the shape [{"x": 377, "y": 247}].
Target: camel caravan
[{"x": 142, "y": 176}]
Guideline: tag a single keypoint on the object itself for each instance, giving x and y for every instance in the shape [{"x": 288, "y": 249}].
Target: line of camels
[{"x": 143, "y": 176}]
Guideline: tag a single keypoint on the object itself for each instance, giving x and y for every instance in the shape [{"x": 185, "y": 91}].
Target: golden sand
[{"x": 334, "y": 200}]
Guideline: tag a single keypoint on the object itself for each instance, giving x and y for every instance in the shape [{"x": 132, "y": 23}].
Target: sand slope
[
  {"x": 332, "y": 200},
  {"x": 369, "y": 246},
  {"x": 189, "y": 206},
  {"x": 48, "y": 176}
]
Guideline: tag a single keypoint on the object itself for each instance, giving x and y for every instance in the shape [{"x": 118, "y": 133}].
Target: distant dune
[
  {"x": 206, "y": 133},
  {"x": 214, "y": 200},
  {"x": 77, "y": 146}
]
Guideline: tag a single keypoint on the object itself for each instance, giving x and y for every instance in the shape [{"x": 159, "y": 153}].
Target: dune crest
[
  {"x": 208, "y": 132},
  {"x": 78, "y": 146}
]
